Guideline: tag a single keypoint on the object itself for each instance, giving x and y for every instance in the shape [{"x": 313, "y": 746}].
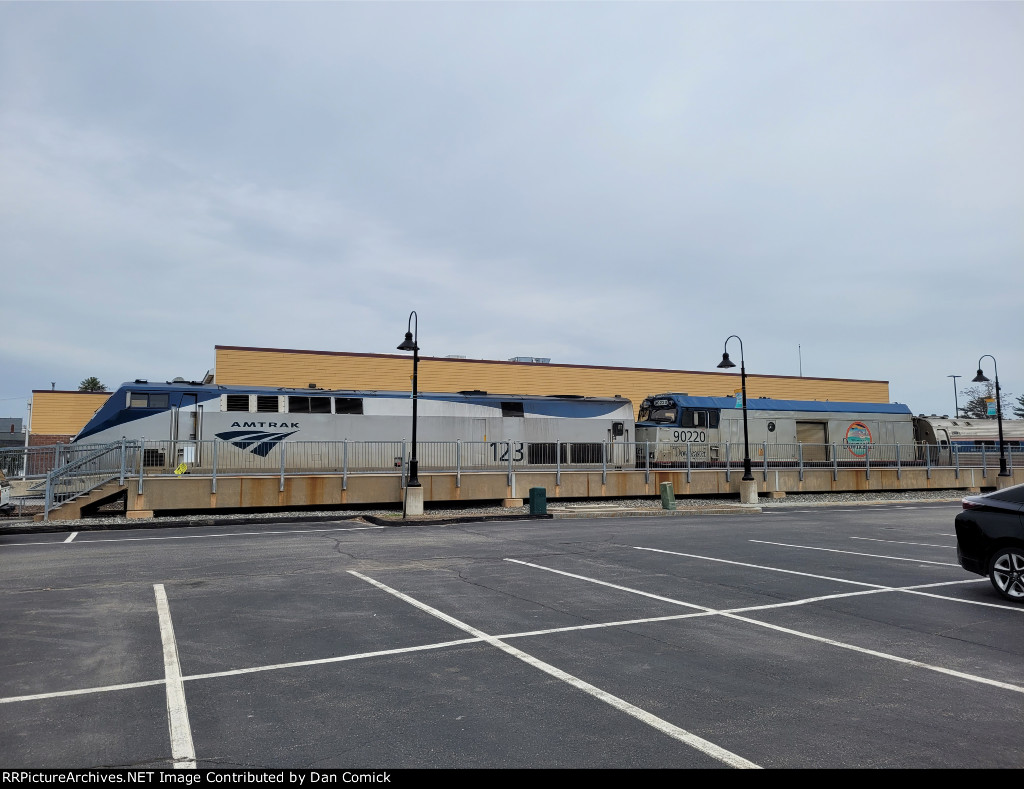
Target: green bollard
[
  {"x": 538, "y": 501},
  {"x": 668, "y": 498}
]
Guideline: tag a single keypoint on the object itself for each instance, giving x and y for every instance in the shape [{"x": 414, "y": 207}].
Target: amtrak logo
[{"x": 259, "y": 442}]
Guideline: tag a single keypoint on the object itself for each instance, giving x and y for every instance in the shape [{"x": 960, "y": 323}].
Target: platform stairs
[{"x": 87, "y": 483}]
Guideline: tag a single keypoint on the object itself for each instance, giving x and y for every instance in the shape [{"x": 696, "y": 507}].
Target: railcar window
[
  {"x": 348, "y": 405},
  {"x": 267, "y": 404},
  {"x": 237, "y": 403},
  {"x": 512, "y": 409},
  {"x": 159, "y": 401}
]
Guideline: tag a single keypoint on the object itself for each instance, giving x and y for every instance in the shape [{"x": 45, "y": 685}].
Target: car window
[{"x": 1014, "y": 494}]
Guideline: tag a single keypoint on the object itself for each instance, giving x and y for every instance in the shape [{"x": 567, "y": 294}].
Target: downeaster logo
[{"x": 259, "y": 442}]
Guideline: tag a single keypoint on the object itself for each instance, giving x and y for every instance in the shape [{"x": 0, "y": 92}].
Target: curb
[
  {"x": 739, "y": 509},
  {"x": 554, "y": 513},
  {"x": 442, "y": 520},
  {"x": 42, "y": 527}
]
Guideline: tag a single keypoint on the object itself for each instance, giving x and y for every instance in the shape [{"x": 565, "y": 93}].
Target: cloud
[{"x": 622, "y": 184}]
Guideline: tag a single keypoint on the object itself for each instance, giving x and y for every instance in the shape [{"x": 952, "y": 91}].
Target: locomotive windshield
[{"x": 662, "y": 416}]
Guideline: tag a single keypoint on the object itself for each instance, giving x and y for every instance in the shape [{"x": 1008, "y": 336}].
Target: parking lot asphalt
[{"x": 845, "y": 637}]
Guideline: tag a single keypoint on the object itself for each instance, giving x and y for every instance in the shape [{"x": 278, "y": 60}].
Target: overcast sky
[{"x": 625, "y": 184}]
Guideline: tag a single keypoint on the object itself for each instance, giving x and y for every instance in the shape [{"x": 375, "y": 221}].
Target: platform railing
[{"x": 85, "y": 466}]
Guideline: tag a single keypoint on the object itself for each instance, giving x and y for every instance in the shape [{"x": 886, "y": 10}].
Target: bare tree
[{"x": 975, "y": 399}]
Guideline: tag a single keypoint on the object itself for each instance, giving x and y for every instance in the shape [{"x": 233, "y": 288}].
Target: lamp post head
[
  {"x": 725, "y": 361},
  {"x": 980, "y": 377},
  {"x": 408, "y": 344}
]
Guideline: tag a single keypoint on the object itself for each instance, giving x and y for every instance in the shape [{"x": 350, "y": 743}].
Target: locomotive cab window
[
  {"x": 694, "y": 418},
  {"x": 145, "y": 400},
  {"x": 663, "y": 416}
]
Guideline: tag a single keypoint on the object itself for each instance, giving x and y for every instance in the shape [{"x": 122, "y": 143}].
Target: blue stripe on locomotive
[
  {"x": 768, "y": 404},
  {"x": 115, "y": 412}
]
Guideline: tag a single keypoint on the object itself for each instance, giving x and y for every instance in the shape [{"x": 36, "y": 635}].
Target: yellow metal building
[
  {"x": 393, "y": 372},
  {"x": 58, "y": 415}
]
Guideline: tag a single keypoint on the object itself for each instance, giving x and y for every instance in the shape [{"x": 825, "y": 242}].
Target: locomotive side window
[
  {"x": 266, "y": 404},
  {"x": 309, "y": 405},
  {"x": 236, "y": 403},
  {"x": 512, "y": 409},
  {"x": 692, "y": 418},
  {"x": 348, "y": 405}
]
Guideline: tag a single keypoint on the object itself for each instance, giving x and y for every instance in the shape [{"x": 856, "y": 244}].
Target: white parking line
[
  {"x": 699, "y": 743},
  {"x": 914, "y": 589},
  {"x": 182, "y": 750},
  {"x": 71, "y": 536},
  {"x": 902, "y": 542},
  {"x": 854, "y": 553},
  {"x": 531, "y": 633},
  {"x": 82, "y": 691},
  {"x": 810, "y": 636},
  {"x": 195, "y": 536}
]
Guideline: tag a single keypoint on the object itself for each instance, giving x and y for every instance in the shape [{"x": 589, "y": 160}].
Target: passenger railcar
[
  {"x": 187, "y": 417},
  {"x": 967, "y": 434},
  {"x": 671, "y": 421}
]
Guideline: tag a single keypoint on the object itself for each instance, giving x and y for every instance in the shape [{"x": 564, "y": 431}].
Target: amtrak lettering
[
  {"x": 258, "y": 442},
  {"x": 265, "y": 424}
]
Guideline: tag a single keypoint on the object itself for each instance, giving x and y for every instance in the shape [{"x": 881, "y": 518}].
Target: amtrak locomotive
[
  {"x": 668, "y": 422},
  {"x": 188, "y": 418}
]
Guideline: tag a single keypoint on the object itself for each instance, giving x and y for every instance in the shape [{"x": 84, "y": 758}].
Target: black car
[{"x": 990, "y": 539}]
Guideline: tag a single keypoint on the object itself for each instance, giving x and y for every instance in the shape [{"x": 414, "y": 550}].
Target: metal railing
[
  {"x": 37, "y": 462},
  {"x": 86, "y": 467},
  {"x": 87, "y": 473}
]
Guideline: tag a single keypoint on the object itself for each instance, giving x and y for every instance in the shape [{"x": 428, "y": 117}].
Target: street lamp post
[
  {"x": 956, "y": 404},
  {"x": 980, "y": 378},
  {"x": 747, "y": 476},
  {"x": 410, "y": 344}
]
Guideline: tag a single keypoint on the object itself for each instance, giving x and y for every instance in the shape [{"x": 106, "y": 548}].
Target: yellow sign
[{"x": 181, "y": 469}]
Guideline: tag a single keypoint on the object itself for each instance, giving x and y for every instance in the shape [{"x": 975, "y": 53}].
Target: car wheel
[{"x": 1006, "y": 571}]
